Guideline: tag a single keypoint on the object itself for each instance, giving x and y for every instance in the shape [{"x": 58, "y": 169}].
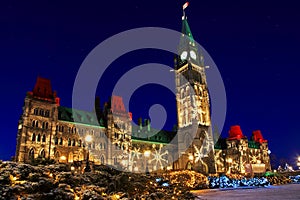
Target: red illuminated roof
[
  {"x": 257, "y": 136},
  {"x": 235, "y": 132}
]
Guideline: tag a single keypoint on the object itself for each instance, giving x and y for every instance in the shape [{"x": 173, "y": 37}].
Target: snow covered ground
[{"x": 290, "y": 191}]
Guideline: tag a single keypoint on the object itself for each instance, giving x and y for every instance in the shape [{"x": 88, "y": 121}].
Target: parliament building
[{"x": 107, "y": 135}]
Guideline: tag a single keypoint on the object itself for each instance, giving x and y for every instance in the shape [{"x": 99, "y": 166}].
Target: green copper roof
[
  {"x": 77, "y": 116},
  {"x": 147, "y": 134},
  {"x": 187, "y": 31}
]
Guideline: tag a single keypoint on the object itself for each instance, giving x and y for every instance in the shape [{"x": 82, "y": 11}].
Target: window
[
  {"x": 42, "y": 112},
  {"x": 31, "y": 154},
  {"x": 79, "y": 143},
  {"x": 38, "y": 138},
  {"x": 73, "y": 142},
  {"x": 104, "y": 146},
  {"x": 36, "y": 111},
  {"x": 42, "y": 153},
  {"x": 69, "y": 142},
  {"x": 47, "y": 113},
  {"x": 43, "y": 138},
  {"x": 100, "y": 145},
  {"x": 56, "y": 141},
  {"x": 61, "y": 141},
  {"x": 33, "y": 137},
  {"x": 102, "y": 160}
]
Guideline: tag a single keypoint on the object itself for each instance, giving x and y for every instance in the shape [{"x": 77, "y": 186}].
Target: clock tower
[{"x": 195, "y": 141}]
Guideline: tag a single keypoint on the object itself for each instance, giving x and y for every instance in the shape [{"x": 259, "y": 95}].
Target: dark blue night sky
[{"x": 255, "y": 45}]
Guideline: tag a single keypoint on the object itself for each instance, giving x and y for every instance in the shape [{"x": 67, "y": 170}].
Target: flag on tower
[{"x": 185, "y": 5}]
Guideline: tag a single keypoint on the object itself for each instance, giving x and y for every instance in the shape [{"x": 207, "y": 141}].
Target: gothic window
[
  {"x": 79, "y": 143},
  {"x": 43, "y": 138},
  {"x": 61, "y": 141},
  {"x": 187, "y": 91},
  {"x": 36, "y": 124},
  {"x": 102, "y": 160},
  {"x": 56, "y": 141},
  {"x": 73, "y": 142},
  {"x": 42, "y": 112},
  {"x": 31, "y": 154},
  {"x": 38, "y": 138},
  {"x": 36, "y": 111},
  {"x": 33, "y": 137},
  {"x": 42, "y": 153},
  {"x": 69, "y": 129},
  {"x": 47, "y": 113},
  {"x": 33, "y": 123},
  {"x": 44, "y": 125},
  {"x": 69, "y": 142}
]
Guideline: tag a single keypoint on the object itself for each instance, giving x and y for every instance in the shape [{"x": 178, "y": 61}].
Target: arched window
[
  {"x": 46, "y": 125},
  {"x": 56, "y": 140},
  {"x": 69, "y": 142},
  {"x": 102, "y": 160},
  {"x": 47, "y": 113},
  {"x": 36, "y": 111},
  {"x": 31, "y": 154},
  {"x": 42, "y": 153},
  {"x": 79, "y": 143},
  {"x": 42, "y": 112},
  {"x": 43, "y": 125},
  {"x": 38, "y": 138},
  {"x": 73, "y": 142},
  {"x": 36, "y": 124},
  {"x": 33, "y": 137},
  {"x": 61, "y": 141},
  {"x": 44, "y": 138}
]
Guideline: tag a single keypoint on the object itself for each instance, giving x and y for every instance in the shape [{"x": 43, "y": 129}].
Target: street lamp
[
  {"x": 147, "y": 155},
  {"x": 88, "y": 139}
]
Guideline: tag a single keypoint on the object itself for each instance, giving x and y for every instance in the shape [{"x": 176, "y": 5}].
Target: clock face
[
  {"x": 183, "y": 55},
  {"x": 193, "y": 54}
]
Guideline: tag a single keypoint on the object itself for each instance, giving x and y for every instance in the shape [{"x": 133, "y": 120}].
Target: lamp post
[
  {"x": 88, "y": 139},
  {"x": 147, "y": 155}
]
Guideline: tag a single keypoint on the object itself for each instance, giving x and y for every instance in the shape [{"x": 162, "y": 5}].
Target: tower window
[
  {"x": 73, "y": 142},
  {"x": 61, "y": 141},
  {"x": 43, "y": 138},
  {"x": 33, "y": 137},
  {"x": 56, "y": 141},
  {"x": 38, "y": 138},
  {"x": 31, "y": 154},
  {"x": 42, "y": 154},
  {"x": 42, "y": 112}
]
